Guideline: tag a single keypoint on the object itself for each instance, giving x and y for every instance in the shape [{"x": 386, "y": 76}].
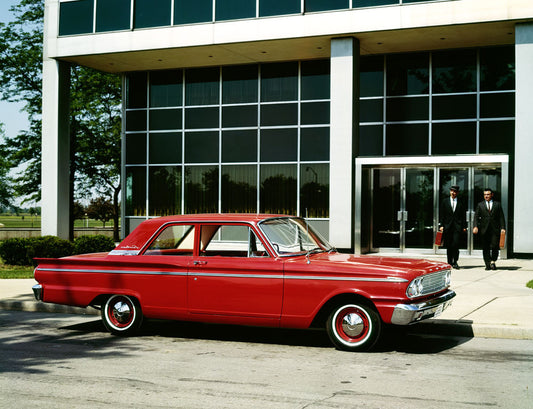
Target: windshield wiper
[{"x": 313, "y": 251}]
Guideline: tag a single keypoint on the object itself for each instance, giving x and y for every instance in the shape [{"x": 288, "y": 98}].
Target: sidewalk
[{"x": 490, "y": 304}]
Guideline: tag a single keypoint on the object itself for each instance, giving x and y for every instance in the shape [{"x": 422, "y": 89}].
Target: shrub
[
  {"x": 14, "y": 252},
  {"x": 93, "y": 244},
  {"x": 49, "y": 247},
  {"x": 20, "y": 252}
]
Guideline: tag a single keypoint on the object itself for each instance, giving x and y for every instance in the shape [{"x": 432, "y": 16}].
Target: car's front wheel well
[{"x": 321, "y": 317}]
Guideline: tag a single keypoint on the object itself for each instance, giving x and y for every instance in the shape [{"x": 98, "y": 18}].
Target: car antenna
[{"x": 307, "y": 228}]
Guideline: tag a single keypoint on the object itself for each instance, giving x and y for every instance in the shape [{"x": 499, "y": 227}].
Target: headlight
[
  {"x": 416, "y": 288},
  {"x": 448, "y": 278}
]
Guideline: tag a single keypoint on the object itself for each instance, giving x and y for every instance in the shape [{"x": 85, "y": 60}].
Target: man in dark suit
[
  {"x": 489, "y": 221},
  {"x": 452, "y": 224}
]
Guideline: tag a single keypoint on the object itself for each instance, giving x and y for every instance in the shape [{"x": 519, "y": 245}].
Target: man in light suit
[
  {"x": 489, "y": 221},
  {"x": 452, "y": 224}
]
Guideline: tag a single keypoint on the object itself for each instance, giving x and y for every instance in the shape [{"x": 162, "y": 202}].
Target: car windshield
[{"x": 292, "y": 236}]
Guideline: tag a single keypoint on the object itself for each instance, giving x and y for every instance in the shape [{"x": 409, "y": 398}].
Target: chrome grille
[{"x": 434, "y": 282}]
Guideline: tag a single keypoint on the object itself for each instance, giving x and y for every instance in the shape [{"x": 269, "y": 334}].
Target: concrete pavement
[{"x": 490, "y": 304}]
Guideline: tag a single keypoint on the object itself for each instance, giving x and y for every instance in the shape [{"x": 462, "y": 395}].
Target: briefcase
[
  {"x": 502, "y": 239},
  {"x": 438, "y": 238}
]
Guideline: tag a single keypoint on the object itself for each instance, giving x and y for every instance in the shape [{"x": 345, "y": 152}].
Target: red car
[{"x": 263, "y": 270}]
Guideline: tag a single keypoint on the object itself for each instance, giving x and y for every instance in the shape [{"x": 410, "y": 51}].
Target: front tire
[
  {"x": 122, "y": 315},
  {"x": 353, "y": 327}
]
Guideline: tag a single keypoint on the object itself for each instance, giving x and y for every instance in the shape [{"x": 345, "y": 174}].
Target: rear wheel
[
  {"x": 353, "y": 326},
  {"x": 122, "y": 315}
]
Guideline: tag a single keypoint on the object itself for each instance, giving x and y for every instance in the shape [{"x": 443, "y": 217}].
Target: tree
[
  {"x": 101, "y": 209},
  {"x": 5, "y": 188},
  {"x": 94, "y": 115}
]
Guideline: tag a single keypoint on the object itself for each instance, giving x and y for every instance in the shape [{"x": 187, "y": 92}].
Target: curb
[
  {"x": 460, "y": 328},
  {"x": 34, "y": 306}
]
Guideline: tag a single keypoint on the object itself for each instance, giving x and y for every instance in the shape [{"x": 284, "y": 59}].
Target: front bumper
[{"x": 405, "y": 314}]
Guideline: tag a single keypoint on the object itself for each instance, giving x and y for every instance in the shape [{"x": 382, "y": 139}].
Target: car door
[
  {"x": 170, "y": 254},
  {"x": 234, "y": 276}
]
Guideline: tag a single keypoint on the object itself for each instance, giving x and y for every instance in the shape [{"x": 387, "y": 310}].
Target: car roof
[{"x": 139, "y": 237}]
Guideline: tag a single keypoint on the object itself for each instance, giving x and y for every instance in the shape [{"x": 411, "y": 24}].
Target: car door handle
[{"x": 199, "y": 263}]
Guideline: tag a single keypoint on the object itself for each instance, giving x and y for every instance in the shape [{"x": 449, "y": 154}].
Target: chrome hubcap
[
  {"x": 121, "y": 312},
  {"x": 353, "y": 325}
]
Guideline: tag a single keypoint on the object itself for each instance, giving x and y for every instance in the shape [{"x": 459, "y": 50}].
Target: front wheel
[
  {"x": 353, "y": 327},
  {"x": 122, "y": 315}
]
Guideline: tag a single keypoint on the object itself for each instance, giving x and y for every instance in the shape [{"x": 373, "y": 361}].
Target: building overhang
[{"x": 380, "y": 30}]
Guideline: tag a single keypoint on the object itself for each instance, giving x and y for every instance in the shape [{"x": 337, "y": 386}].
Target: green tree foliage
[
  {"x": 94, "y": 115},
  {"x": 5, "y": 188},
  {"x": 101, "y": 209}
]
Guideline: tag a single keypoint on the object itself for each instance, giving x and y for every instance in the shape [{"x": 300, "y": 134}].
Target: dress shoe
[
  {"x": 492, "y": 266},
  {"x": 487, "y": 268},
  {"x": 456, "y": 266}
]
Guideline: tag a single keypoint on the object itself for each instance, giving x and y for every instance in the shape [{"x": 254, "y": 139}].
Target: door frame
[{"x": 432, "y": 161}]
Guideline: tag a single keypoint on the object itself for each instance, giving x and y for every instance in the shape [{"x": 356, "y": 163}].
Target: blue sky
[{"x": 10, "y": 114}]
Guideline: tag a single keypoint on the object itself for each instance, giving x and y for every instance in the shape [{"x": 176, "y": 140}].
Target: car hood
[{"x": 339, "y": 263}]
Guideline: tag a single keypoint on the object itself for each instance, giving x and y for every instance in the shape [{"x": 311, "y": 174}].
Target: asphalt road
[{"x": 69, "y": 361}]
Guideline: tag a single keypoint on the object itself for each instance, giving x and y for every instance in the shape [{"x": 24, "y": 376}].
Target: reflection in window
[
  {"x": 279, "y": 145},
  {"x": 323, "y": 5},
  {"x": 239, "y": 84},
  {"x": 202, "y": 86},
  {"x": 454, "y": 71},
  {"x": 371, "y": 77},
  {"x": 407, "y": 109},
  {"x": 315, "y": 79},
  {"x": 166, "y": 88},
  {"x": 314, "y": 144},
  {"x": 407, "y": 139},
  {"x": 314, "y": 190},
  {"x": 152, "y": 13},
  {"x": 76, "y": 17},
  {"x": 201, "y": 147},
  {"x": 234, "y": 9},
  {"x": 278, "y": 189},
  {"x": 197, "y": 11},
  {"x": 165, "y": 190},
  {"x": 165, "y": 147},
  {"x": 165, "y": 119},
  {"x": 278, "y": 7},
  {"x": 136, "y": 90},
  {"x": 408, "y": 74},
  {"x": 136, "y": 148},
  {"x": 453, "y": 138},
  {"x": 135, "y": 191},
  {"x": 279, "y": 82},
  {"x": 239, "y": 189},
  {"x": 113, "y": 15},
  {"x": 239, "y": 146},
  {"x": 201, "y": 189},
  {"x": 497, "y": 65}
]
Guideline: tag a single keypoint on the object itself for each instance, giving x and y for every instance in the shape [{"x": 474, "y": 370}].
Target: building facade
[{"x": 356, "y": 114}]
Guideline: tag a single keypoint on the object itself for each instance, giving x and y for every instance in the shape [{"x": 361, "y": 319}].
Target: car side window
[
  {"x": 230, "y": 241},
  {"x": 175, "y": 240}
]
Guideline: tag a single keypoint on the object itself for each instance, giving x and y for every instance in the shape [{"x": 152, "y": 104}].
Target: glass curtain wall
[
  {"x": 90, "y": 16},
  {"x": 249, "y": 139},
  {"x": 438, "y": 103}
]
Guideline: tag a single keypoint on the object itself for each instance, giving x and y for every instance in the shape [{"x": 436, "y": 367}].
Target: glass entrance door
[
  {"x": 402, "y": 208},
  {"x": 400, "y": 204}
]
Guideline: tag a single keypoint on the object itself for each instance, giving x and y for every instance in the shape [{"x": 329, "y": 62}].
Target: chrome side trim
[
  {"x": 405, "y": 314},
  {"x": 38, "y": 292},
  {"x": 232, "y": 275},
  {"x": 76, "y": 270}
]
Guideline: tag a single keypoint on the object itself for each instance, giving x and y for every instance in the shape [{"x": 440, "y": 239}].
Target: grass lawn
[{"x": 15, "y": 271}]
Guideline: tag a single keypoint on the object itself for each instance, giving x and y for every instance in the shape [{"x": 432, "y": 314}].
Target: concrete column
[
  {"x": 55, "y": 198},
  {"x": 523, "y": 194},
  {"x": 343, "y": 136}
]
